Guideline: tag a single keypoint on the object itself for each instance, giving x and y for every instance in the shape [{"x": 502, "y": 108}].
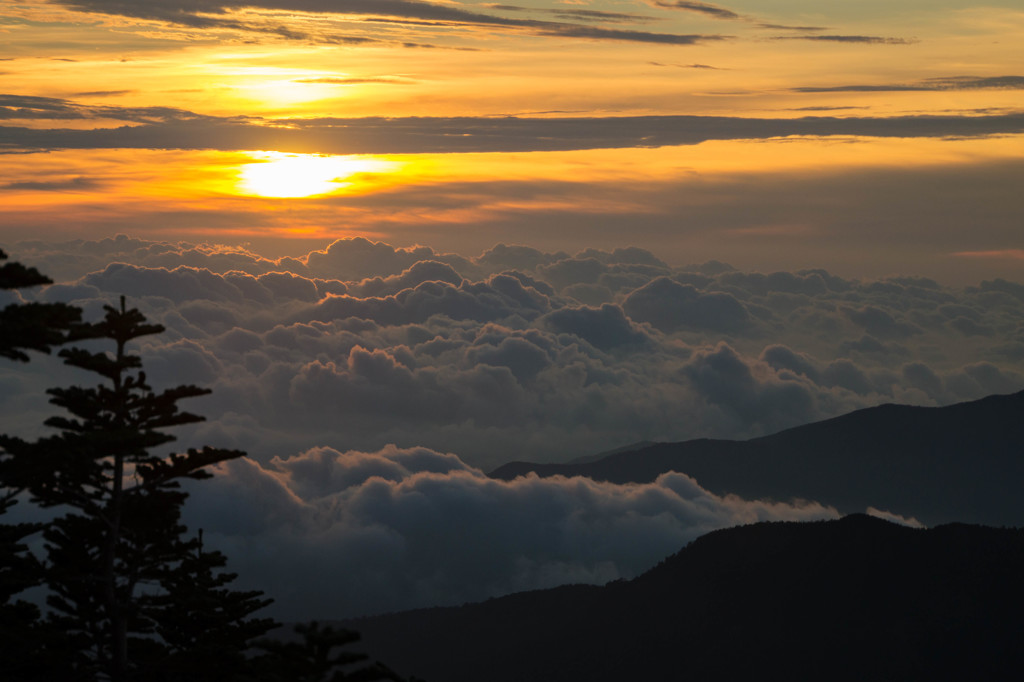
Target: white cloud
[{"x": 331, "y": 534}]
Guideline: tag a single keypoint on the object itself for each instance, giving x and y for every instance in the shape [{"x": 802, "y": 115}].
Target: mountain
[
  {"x": 853, "y": 599},
  {"x": 964, "y": 462},
  {"x": 587, "y": 459}
]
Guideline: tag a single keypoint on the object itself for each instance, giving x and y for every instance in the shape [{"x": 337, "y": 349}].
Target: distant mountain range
[
  {"x": 855, "y": 599},
  {"x": 964, "y": 462}
]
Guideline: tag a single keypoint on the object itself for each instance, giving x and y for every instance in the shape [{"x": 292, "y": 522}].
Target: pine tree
[
  {"x": 39, "y": 327},
  {"x": 204, "y": 624},
  {"x": 30, "y": 326},
  {"x": 315, "y": 658},
  {"x": 117, "y": 555},
  {"x": 130, "y": 597}
]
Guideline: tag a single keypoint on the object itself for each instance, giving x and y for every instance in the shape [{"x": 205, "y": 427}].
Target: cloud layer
[
  {"x": 333, "y": 534},
  {"x": 350, "y": 372},
  {"x": 517, "y": 352}
]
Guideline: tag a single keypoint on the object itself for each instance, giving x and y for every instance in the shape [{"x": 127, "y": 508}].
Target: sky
[
  {"x": 406, "y": 242},
  {"x": 872, "y": 139}
]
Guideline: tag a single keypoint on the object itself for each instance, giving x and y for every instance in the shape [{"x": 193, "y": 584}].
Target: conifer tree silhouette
[
  {"x": 130, "y": 596},
  {"x": 115, "y": 558},
  {"x": 39, "y": 327},
  {"x": 204, "y": 624},
  {"x": 30, "y": 326},
  {"x": 314, "y": 659}
]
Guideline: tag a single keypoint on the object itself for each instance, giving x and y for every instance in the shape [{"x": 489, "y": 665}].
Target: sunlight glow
[{"x": 280, "y": 175}]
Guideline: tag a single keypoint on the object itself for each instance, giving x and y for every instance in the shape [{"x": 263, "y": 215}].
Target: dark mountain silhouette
[
  {"x": 964, "y": 462},
  {"x": 853, "y": 599},
  {"x": 632, "y": 447}
]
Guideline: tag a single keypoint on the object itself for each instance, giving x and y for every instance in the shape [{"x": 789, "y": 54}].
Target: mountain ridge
[
  {"x": 962, "y": 462},
  {"x": 854, "y": 598}
]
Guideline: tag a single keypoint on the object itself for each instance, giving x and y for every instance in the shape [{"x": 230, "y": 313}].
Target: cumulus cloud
[
  {"x": 880, "y": 323},
  {"x": 606, "y": 327},
  {"x": 668, "y": 305},
  {"x": 732, "y": 385},
  {"x": 333, "y": 534},
  {"x": 516, "y": 350},
  {"x": 513, "y": 353}
]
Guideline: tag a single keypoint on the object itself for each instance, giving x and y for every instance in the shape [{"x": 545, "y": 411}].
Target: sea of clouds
[{"x": 373, "y": 386}]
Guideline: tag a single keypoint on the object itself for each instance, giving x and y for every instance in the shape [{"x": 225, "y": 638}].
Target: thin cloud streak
[
  {"x": 866, "y": 40},
  {"x": 1009, "y": 254},
  {"x": 165, "y": 128},
  {"x": 219, "y": 15},
  {"x": 384, "y": 80},
  {"x": 701, "y": 8},
  {"x": 929, "y": 85}
]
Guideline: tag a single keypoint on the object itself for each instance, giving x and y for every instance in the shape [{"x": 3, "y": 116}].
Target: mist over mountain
[
  {"x": 372, "y": 386},
  {"x": 936, "y": 464},
  {"x": 853, "y": 599}
]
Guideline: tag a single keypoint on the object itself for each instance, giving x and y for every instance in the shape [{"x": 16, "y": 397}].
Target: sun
[{"x": 279, "y": 175}]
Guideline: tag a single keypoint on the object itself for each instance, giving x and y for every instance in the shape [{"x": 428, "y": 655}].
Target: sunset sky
[
  {"x": 870, "y": 138},
  {"x": 406, "y": 242}
]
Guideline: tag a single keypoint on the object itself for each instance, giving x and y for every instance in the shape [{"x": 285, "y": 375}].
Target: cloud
[
  {"x": 918, "y": 375},
  {"x": 51, "y": 108},
  {"x": 865, "y": 40},
  {"x": 735, "y": 388},
  {"x": 1002, "y": 254},
  {"x": 881, "y": 324},
  {"x": 783, "y": 27},
  {"x": 714, "y": 11},
  {"x": 606, "y": 327},
  {"x": 578, "y": 14},
  {"x": 418, "y": 273},
  {"x": 687, "y": 66},
  {"x": 227, "y": 15},
  {"x": 593, "y": 33},
  {"x": 894, "y": 518},
  {"x": 164, "y": 128},
  {"x": 669, "y": 306},
  {"x": 104, "y": 93},
  {"x": 518, "y": 350},
  {"x": 360, "y": 258},
  {"x": 385, "y": 80},
  {"x": 71, "y": 184},
  {"x": 929, "y": 85},
  {"x": 332, "y": 534}
]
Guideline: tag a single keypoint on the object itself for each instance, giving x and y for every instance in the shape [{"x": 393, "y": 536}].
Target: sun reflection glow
[{"x": 280, "y": 175}]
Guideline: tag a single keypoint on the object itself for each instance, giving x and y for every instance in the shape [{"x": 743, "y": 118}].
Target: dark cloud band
[
  {"x": 217, "y": 14},
  {"x": 164, "y": 128},
  {"x": 930, "y": 85}
]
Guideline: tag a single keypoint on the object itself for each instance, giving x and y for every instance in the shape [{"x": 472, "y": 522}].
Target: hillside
[
  {"x": 853, "y": 599},
  {"x": 964, "y": 462}
]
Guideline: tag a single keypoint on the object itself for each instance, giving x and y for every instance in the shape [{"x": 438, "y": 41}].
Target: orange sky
[{"x": 868, "y": 138}]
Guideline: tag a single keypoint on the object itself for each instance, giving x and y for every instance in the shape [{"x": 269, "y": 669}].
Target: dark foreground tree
[
  {"x": 39, "y": 327},
  {"x": 205, "y": 625},
  {"x": 30, "y": 326},
  {"x": 131, "y": 597},
  {"x": 117, "y": 560},
  {"x": 316, "y": 658}
]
